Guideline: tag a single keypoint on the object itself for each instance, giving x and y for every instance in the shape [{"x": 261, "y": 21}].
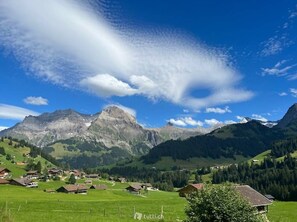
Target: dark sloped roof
[
  {"x": 99, "y": 187},
  {"x": 4, "y": 169},
  {"x": 252, "y": 196},
  {"x": 134, "y": 187},
  {"x": 70, "y": 188},
  {"x": 197, "y": 185},
  {"x": 23, "y": 181}
]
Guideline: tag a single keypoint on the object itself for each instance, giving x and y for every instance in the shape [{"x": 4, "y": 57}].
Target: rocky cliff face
[
  {"x": 50, "y": 127},
  {"x": 289, "y": 118},
  {"x": 113, "y": 127}
]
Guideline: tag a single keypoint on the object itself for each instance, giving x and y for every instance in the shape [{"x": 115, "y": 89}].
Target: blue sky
[{"x": 194, "y": 63}]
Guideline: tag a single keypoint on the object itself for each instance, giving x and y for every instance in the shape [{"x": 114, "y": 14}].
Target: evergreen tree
[{"x": 72, "y": 179}]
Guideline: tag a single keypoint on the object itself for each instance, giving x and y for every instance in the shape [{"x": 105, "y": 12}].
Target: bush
[{"x": 219, "y": 203}]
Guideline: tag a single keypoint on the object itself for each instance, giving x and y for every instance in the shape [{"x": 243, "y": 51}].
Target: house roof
[
  {"x": 30, "y": 172},
  {"x": 197, "y": 185},
  {"x": 70, "y": 188},
  {"x": 134, "y": 187},
  {"x": 252, "y": 196},
  {"x": 99, "y": 187},
  {"x": 4, "y": 169},
  {"x": 3, "y": 181},
  {"x": 269, "y": 196},
  {"x": 23, "y": 181}
]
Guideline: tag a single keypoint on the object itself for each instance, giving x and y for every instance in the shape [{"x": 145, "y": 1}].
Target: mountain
[
  {"x": 243, "y": 139},
  {"x": 50, "y": 127},
  {"x": 98, "y": 139},
  {"x": 290, "y": 118}
]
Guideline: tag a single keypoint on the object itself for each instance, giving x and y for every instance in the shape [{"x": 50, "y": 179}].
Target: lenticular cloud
[{"x": 68, "y": 43}]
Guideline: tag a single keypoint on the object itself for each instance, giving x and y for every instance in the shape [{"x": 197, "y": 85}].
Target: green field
[{"x": 114, "y": 204}]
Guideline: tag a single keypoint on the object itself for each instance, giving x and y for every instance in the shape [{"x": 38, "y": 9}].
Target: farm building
[
  {"x": 3, "y": 181},
  {"x": 256, "y": 199},
  {"x": 134, "y": 188},
  {"x": 4, "y": 172},
  {"x": 92, "y": 176},
  {"x": 121, "y": 180},
  {"x": 25, "y": 182},
  {"x": 77, "y": 188},
  {"x": 183, "y": 192},
  {"x": 32, "y": 174},
  {"x": 99, "y": 187}
]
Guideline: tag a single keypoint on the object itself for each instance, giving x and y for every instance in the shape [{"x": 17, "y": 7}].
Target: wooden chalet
[
  {"x": 99, "y": 187},
  {"x": 3, "y": 181},
  {"x": 4, "y": 172},
  {"x": 73, "y": 188},
  {"x": 134, "y": 188},
  {"x": 121, "y": 180},
  {"x": 92, "y": 176},
  {"x": 24, "y": 182},
  {"x": 187, "y": 190},
  {"x": 55, "y": 172},
  {"x": 257, "y": 200},
  {"x": 32, "y": 174}
]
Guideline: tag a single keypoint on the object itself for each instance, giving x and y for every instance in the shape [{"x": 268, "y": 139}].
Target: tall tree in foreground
[
  {"x": 219, "y": 203},
  {"x": 72, "y": 179}
]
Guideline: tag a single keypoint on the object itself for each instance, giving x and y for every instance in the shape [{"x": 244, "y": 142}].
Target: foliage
[
  {"x": 161, "y": 180},
  {"x": 72, "y": 179},
  {"x": 2, "y": 151},
  {"x": 219, "y": 204},
  {"x": 269, "y": 176},
  {"x": 245, "y": 139},
  {"x": 282, "y": 147}
]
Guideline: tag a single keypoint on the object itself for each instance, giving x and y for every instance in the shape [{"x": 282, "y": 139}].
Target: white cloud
[
  {"x": 218, "y": 110},
  {"x": 293, "y": 92},
  {"x": 212, "y": 122},
  {"x": 177, "y": 122},
  {"x": 3, "y": 128},
  {"x": 186, "y": 121},
  {"x": 259, "y": 117},
  {"x": 15, "y": 112},
  {"x": 241, "y": 119},
  {"x": 38, "y": 101},
  {"x": 125, "y": 108},
  {"x": 109, "y": 59},
  {"x": 185, "y": 110},
  {"x": 229, "y": 122},
  {"x": 278, "y": 69},
  {"x": 283, "y": 94},
  {"x": 105, "y": 85}
]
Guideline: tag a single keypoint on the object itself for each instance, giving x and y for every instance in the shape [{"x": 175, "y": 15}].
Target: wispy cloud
[
  {"x": 38, "y": 101},
  {"x": 3, "y": 128},
  {"x": 109, "y": 59},
  {"x": 15, "y": 112},
  {"x": 213, "y": 122},
  {"x": 185, "y": 121},
  {"x": 280, "y": 69},
  {"x": 259, "y": 117},
  {"x": 281, "y": 40},
  {"x": 293, "y": 92},
  {"x": 218, "y": 110},
  {"x": 283, "y": 94}
]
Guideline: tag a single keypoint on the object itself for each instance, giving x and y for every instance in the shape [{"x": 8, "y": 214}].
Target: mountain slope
[
  {"x": 98, "y": 139},
  {"x": 50, "y": 127},
  {"x": 289, "y": 118},
  {"x": 246, "y": 139}
]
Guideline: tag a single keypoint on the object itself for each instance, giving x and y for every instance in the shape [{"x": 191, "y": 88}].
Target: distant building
[
  {"x": 187, "y": 190},
  {"x": 99, "y": 187},
  {"x": 55, "y": 172},
  {"x": 121, "y": 180},
  {"x": 134, "y": 188},
  {"x": 3, "y": 181},
  {"x": 32, "y": 174},
  {"x": 24, "y": 182},
  {"x": 77, "y": 188},
  {"x": 257, "y": 200},
  {"x": 92, "y": 176},
  {"x": 4, "y": 172},
  {"x": 269, "y": 197}
]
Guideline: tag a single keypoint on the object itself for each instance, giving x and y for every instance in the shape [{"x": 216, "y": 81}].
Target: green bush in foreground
[{"x": 219, "y": 203}]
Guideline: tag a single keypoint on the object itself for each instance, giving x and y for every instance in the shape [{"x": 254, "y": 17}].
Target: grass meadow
[{"x": 115, "y": 204}]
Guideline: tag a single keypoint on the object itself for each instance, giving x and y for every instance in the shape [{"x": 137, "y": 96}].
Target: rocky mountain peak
[
  {"x": 290, "y": 116},
  {"x": 114, "y": 112}
]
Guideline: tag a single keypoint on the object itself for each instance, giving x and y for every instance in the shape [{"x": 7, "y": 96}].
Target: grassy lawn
[
  {"x": 114, "y": 204},
  {"x": 283, "y": 212},
  {"x": 29, "y": 204}
]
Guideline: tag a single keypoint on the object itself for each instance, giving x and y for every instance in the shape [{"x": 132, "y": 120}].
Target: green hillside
[{"x": 16, "y": 157}]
